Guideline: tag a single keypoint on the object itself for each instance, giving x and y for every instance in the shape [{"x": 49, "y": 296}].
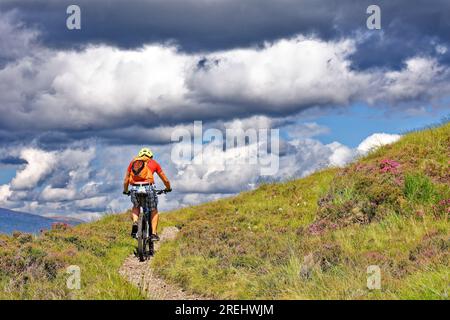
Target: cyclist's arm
[
  {"x": 164, "y": 179},
  {"x": 126, "y": 180}
]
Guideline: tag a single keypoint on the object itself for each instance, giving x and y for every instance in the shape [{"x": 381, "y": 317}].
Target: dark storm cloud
[
  {"x": 12, "y": 161},
  {"x": 55, "y": 98},
  {"x": 195, "y": 25},
  {"x": 408, "y": 27}
]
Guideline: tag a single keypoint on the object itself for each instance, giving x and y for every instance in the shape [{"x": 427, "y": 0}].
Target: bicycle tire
[
  {"x": 151, "y": 250},
  {"x": 141, "y": 238}
]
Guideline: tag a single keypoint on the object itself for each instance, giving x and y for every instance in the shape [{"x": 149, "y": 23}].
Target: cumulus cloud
[
  {"x": 97, "y": 203},
  {"x": 420, "y": 80},
  {"x": 101, "y": 87},
  {"x": 305, "y": 130},
  {"x": 214, "y": 170},
  {"x": 57, "y": 194},
  {"x": 39, "y": 164},
  {"x": 49, "y": 177},
  {"x": 375, "y": 141},
  {"x": 304, "y": 156},
  {"x": 288, "y": 73},
  {"x": 115, "y": 91},
  {"x": 15, "y": 38},
  {"x": 218, "y": 171},
  {"x": 224, "y": 24},
  {"x": 341, "y": 155},
  {"x": 229, "y": 171},
  {"x": 5, "y": 193},
  {"x": 110, "y": 93}
]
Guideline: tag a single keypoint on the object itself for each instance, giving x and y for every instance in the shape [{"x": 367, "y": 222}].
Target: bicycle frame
[{"x": 145, "y": 245}]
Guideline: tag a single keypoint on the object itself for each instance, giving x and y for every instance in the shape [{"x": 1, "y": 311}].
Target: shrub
[
  {"x": 419, "y": 188},
  {"x": 389, "y": 166},
  {"x": 60, "y": 226},
  {"x": 442, "y": 208}
]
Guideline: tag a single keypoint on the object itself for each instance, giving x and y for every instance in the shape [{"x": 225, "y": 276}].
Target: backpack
[{"x": 140, "y": 169}]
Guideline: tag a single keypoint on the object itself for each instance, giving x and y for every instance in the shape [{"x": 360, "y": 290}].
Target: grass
[
  {"x": 314, "y": 238},
  {"x": 35, "y": 267},
  {"x": 419, "y": 189}
]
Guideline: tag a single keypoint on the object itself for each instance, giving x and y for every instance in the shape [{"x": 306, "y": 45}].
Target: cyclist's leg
[
  {"x": 136, "y": 207},
  {"x": 135, "y": 214},
  {"x": 155, "y": 219},
  {"x": 153, "y": 206}
]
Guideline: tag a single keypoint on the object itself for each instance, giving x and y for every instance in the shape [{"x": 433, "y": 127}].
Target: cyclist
[{"x": 140, "y": 172}]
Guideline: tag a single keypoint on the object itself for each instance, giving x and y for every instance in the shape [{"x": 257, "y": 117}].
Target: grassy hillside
[
  {"x": 311, "y": 238},
  {"x": 314, "y": 238},
  {"x": 35, "y": 267}
]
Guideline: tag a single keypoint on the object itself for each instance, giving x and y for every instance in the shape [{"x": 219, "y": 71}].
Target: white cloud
[
  {"x": 94, "y": 87},
  {"x": 299, "y": 71},
  {"x": 219, "y": 172},
  {"x": 33, "y": 188},
  {"x": 95, "y": 203},
  {"x": 5, "y": 193},
  {"x": 341, "y": 155},
  {"x": 301, "y": 157},
  {"x": 305, "y": 130},
  {"x": 86, "y": 216},
  {"x": 422, "y": 79},
  {"x": 376, "y": 140},
  {"x": 108, "y": 90},
  {"x": 305, "y": 156},
  {"x": 39, "y": 164},
  {"x": 441, "y": 49},
  {"x": 50, "y": 194},
  {"x": 230, "y": 171},
  {"x": 15, "y": 39}
]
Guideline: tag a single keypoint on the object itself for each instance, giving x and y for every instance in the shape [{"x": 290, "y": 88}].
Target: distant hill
[{"x": 25, "y": 222}]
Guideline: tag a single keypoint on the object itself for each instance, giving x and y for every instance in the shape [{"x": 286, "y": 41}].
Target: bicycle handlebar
[{"x": 158, "y": 192}]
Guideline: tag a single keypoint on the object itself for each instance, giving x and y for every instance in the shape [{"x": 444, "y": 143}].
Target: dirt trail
[{"x": 154, "y": 287}]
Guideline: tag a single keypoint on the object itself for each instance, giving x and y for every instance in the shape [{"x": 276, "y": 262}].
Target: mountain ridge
[{"x": 12, "y": 220}]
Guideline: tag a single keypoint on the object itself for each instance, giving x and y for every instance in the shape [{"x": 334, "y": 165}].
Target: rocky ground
[{"x": 154, "y": 287}]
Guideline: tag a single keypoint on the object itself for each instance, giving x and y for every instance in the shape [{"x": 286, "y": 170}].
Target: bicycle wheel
[
  {"x": 151, "y": 248},
  {"x": 141, "y": 237}
]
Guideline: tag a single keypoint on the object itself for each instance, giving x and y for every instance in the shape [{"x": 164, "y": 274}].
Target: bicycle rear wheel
[
  {"x": 151, "y": 247},
  {"x": 141, "y": 237}
]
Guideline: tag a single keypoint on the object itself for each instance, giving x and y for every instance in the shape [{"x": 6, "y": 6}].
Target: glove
[
  {"x": 127, "y": 193},
  {"x": 168, "y": 190}
]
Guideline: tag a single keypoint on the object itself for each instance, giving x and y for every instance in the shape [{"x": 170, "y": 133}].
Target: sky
[{"x": 77, "y": 105}]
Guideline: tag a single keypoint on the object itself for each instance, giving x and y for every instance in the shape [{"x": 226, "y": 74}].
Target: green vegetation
[
  {"x": 35, "y": 267},
  {"x": 315, "y": 237},
  {"x": 311, "y": 238},
  {"x": 419, "y": 189}
]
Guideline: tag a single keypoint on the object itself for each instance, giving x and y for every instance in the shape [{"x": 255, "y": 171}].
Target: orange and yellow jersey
[{"x": 146, "y": 174}]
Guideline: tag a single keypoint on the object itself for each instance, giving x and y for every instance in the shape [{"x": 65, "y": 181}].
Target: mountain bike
[{"x": 146, "y": 247}]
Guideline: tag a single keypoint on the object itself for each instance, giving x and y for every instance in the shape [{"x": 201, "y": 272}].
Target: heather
[{"x": 314, "y": 238}]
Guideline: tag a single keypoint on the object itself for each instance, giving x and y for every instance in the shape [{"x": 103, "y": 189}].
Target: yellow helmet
[{"x": 145, "y": 152}]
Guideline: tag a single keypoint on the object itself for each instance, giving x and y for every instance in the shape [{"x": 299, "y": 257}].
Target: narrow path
[{"x": 154, "y": 287}]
